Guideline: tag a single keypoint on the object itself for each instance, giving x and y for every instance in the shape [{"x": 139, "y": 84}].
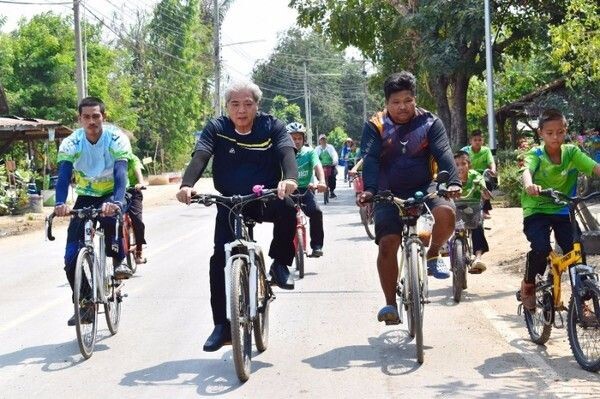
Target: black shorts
[{"x": 388, "y": 221}]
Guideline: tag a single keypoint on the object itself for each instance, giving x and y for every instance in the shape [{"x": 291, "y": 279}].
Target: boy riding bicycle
[
  {"x": 308, "y": 162},
  {"x": 473, "y": 188},
  {"x": 550, "y": 165}
]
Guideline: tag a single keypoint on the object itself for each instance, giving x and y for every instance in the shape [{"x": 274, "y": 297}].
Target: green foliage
[
  {"x": 13, "y": 200},
  {"x": 336, "y": 85},
  {"x": 576, "y": 42},
  {"x": 510, "y": 183},
  {"x": 282, "y": 109},
  {"x": 337, "y": 137}
]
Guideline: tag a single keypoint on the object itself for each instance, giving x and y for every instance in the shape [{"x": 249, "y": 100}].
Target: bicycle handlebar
[
  {"x": 258, "y": 193},
  {"x": 561, "y": 198},
  {"x": 83, "y": 213}
]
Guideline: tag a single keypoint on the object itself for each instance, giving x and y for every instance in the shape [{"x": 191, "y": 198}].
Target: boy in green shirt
[
  {"x": 550, "y": 165},
  {"x": 472, "y": 188},
  {"x": 481, "y": 159},
  {"x": 308, "y": 162}
]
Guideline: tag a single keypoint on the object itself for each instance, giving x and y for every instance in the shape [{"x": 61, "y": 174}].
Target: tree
[
  {"x": 282, "y": 109},
  {"x": 335, "y": 84},
  {"x": 177, "y": 66},
  {"x": 439, "y": 40},
  {"x": 337, "y": 137}
]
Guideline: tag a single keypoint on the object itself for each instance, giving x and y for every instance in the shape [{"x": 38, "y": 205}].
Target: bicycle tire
[
  {"x": 539, "y": 322},
  {"x": 241, "y": 325},
  {"x": 112, "y": 306},
  {"x": 326, "y": 196},
  {"x": 591, "y": 297},
  {"x": 261, "y": 324},
  {"x": 415, "y": 303},
  {"x": 300, "y": 255},
  {"x": 366, "y": 217},
  {"x": 459, "y": 268},
  {"x": 129, "y": 244},
  {"x": 82, "y": 291}
]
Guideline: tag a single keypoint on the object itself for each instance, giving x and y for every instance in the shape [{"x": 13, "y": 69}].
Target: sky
[{"x": 246, "y": 20}]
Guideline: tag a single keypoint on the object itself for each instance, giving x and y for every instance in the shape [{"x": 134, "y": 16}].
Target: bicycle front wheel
[
  {"x": 261, "y": 324},
  {"x": 326, "y": 196},
  {"x": 366, "y": 217},
  {"x": 459, "y": 268},
  {"x": 584, "y": 331},
  {"x": 86, "y": 311},
  {"x": 539, "y": 321},
  {"x": 241, "y": 325},
  {"x": 112, "y": 306},
  {"x": 300, "y": 252},
  {"x": 415, "y": 305}
]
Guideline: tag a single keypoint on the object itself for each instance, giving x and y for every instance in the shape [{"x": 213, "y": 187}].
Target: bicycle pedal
[{"x": 520, "y": 309}]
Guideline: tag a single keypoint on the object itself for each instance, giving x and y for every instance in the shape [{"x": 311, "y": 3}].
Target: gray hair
[{"x": 243, "y": 85}]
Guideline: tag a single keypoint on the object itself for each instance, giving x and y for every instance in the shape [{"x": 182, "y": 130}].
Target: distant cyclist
[
  {"x": 97, "y": 155},
  {"x": 481, "y": 159},
  {"x": 308, "y": 163},
  {"x": 329, "y": 159},
  {"x": 136, "y": 207}
]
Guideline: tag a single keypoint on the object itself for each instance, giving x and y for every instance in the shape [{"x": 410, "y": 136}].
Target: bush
[{"x": 510, "y": 183}]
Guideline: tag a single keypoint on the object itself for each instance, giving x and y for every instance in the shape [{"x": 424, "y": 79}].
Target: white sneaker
[{"x": 477, "y": 267}]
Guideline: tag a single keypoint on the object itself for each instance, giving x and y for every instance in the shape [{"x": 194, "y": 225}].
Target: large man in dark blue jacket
[
  {"x": 403, "y": 147},
  {"x": 248, "y": 148}
]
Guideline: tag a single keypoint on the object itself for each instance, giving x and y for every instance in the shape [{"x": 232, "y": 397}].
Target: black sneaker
[
  {"x": 86, "y": 313},
  {"x": 317, "y": 252},
  {"x": 332, "y": 195}
]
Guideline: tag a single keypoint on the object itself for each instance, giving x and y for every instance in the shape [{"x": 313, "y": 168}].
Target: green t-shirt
[
  {"x": 561, "y": 177},
  {"x": 325, "y": 158},
  {"x": 481, "y": 160},
  {"x": 473, "y": 186},
  {"x": 306, "y": 159},
  {"x": 132, "y": 162}
]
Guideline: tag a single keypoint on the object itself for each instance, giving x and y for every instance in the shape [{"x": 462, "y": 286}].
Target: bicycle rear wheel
[
  {"x": 366, "y": 217},
  {"x": 584, "y": 331},
  {"x": 241, "y": 325},
  {"x": 539, "y": 321},
  {"x": 459, "y": 268},
  {"x": 300, "y": 252},
  {"x": 129, "y": 243},
  {"x": 415, "y": 305},
  {"x": 86, "y": 311},
  {"x": 261, "y": 324},
  {"x": 112, "y": 306},
  {"x": 326, "y": 196}
]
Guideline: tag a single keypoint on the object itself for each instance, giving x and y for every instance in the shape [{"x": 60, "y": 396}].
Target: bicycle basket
[{"x": 469, "y": 213}]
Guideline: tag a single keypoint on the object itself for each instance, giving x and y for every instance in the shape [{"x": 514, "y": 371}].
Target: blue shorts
[{"x": 388, "y": 221}]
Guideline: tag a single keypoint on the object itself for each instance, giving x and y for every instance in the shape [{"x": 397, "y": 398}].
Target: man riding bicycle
[
  {"x": 329, "y": 160},
  {"x": 97, "y": 155},
  {"x": 248, "y": 148},
  {"x": 402, "y": 146},
  {"x": 308, "y": 162}
]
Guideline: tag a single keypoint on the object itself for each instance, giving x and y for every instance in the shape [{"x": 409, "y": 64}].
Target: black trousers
[
  {"x": 315, "y": 216},
  {"x": 279, "y": 212},
  {"x": 135, "y": 214},
  {"x": 331, "y": 183},
  {"x": 479, "y": 241}
]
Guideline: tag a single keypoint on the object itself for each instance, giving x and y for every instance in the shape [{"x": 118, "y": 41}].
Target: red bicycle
[
  {"x": 366, "y": 212},
  {"x": 129, "y": 242},
  {"x": 300, "y": 237}
]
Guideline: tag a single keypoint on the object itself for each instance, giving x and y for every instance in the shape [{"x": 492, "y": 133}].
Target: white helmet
[{"x": 295, "y": 127}]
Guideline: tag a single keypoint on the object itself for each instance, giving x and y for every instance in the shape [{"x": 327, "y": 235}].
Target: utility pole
[
  {"x": 307, "y": 106},
  {"x": 79, "y": 76},
  {"x": 491, "y": 116},
  {"x": 217, "y": 60},
  {"x": 365, "y": 92}
]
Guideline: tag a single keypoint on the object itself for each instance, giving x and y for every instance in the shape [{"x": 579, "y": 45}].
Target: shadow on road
[
  {"x": 391, "y": 352},
  {"x": 211, "y": 376},
  {"x": 52, "y": 357}
]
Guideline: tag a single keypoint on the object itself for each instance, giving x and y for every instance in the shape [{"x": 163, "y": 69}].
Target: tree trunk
[
  {"x": 3, "y": 102},
  {"x": 438, "y": 86},
  {"x": 458, "y": 110}
]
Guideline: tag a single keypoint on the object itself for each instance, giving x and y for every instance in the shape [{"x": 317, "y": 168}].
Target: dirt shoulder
[{"x": 153, "y": 196}]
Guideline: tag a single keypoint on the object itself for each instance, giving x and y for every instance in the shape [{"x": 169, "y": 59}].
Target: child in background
[{"x": 473, "y": 188}]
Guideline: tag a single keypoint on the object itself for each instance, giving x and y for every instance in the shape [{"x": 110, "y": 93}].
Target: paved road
[{"x": 325, "y": 341}]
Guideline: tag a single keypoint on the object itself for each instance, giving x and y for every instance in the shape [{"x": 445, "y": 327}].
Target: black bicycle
[{"x": 248, "y": 291}]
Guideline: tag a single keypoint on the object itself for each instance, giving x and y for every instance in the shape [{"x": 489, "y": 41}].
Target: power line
[{"x": 37, "y": 3}]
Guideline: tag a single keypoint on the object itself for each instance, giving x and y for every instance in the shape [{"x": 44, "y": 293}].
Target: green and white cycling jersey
[
  {"x": 306, "y": 159},
  {"x": 93, "y": 163}
]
